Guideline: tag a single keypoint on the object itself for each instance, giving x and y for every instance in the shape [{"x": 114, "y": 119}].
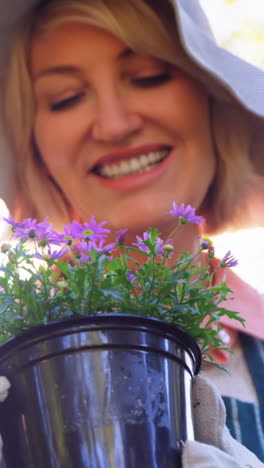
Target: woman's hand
[
  {"x": 4, "y": 388},
  {"x": 198, "y": 455},
  {"x": 214, "y": 447}
]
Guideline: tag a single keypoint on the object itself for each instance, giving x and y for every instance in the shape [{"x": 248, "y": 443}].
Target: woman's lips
[
  {"x": 147, "y": 173},
  {"x": 129, "y": 153},
  {"x": 130, "y": 166}
]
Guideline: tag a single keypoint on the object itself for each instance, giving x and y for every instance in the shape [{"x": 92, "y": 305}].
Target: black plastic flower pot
[{"x": 105, "y": 391}]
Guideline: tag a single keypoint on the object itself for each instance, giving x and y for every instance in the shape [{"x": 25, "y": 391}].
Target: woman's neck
[{"x": 187, "y": 239}]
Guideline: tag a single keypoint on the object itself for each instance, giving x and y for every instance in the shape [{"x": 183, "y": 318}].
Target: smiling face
[{"x": 122, "y": 134}]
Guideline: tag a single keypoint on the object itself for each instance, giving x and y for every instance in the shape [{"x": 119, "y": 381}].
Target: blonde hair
[{"x": 150, "y": 28}]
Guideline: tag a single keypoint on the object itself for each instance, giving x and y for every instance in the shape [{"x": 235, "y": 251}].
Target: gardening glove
[
  {"x": 4, "y": 387},
  {"x": 214, "y": 447}
]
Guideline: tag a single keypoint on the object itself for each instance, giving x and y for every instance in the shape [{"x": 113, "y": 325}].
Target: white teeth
[
  {"x": 152, "y": 157},
  {"x": 141, "y": 163},
  {"x": 134, "y": 164},
  {"x": 124, "y": 167},
  {"x": 144, "y": 160},
  {"x": 114, "y": 170}
]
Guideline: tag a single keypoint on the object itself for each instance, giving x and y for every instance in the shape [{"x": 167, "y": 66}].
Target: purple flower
[
  {"x": 100, "y": 247},
  {"x": 51, "y": 254},
  {"x": 10, "y": 220},
  {"x": 84, "y": 247},
  {"x": 121, "y": 236},
  {"x": 159, "y": 246},
  {"x": 45, "y": 235},
  {"x": 131, "y": 277},
  {"x": 23, "y": 230},
  {"x": 228, "y": 261},
  {"x": 186, "y": 214},
  {"x": 78, "y": 247},
  {"x": 29, "y": 230},
  {"x": 85, "y": 258},
  {"x": 90, "y": 231},
  {"x": 2, "y": 290},
  {"x": 108, "y": 248},
  {"x": 94, "y": 230},
  {"x": 58, "y": 253},
  {"x": 140, "y": 244},
  {"x": 72, "y": 231},
  {"x": 82, "y": 250}
]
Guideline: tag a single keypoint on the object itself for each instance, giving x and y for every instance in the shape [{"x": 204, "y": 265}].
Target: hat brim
[{"x": 243, "y": 81}]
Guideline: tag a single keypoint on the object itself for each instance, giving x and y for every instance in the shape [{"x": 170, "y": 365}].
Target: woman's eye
[
  {"x": 152, "y": 81},
  {"x": 66, "y": 103}
]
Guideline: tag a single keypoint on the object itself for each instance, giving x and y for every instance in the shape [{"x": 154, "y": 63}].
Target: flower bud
[
  {"x": 32, "y": 234},
  {"x": 228, "y": 261},
  {"x": 121, "y": 236},
  {"x": 5, "y": 248},
  {"x": 130, "y": 277},
  {"x": 46, "y": 257},
  {"x": 206, "y": 243},
  {"x": 11, "y": 257},
  {"x": 211, "y": 252},
  {"x": 42, "y": 242},
  {"x": 168, "y": 247}
]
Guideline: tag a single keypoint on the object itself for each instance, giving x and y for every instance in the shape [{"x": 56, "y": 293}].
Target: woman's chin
[{"x": 137, "y": 223}]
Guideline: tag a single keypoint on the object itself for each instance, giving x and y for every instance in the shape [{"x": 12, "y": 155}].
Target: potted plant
[{"x": 102, "y": 370}]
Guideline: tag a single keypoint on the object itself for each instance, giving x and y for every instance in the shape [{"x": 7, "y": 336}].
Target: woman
[{"x": 119, "y": 108}]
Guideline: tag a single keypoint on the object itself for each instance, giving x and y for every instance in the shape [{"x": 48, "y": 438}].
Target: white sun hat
[{"x": 236, "y": 80}]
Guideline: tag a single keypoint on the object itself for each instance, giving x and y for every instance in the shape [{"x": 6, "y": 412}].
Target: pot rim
[{"x": 101, "y": 321}]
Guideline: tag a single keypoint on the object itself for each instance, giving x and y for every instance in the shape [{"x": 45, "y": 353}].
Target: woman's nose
[{"x": 115, "y": 119}]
